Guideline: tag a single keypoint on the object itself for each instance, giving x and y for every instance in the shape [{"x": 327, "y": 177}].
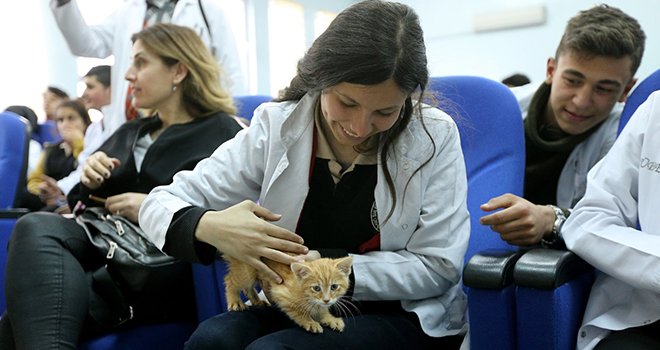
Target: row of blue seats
[
  {"x": 15, "y": 134},
  {"x": 492, "y": 139},
  {"x": 534, "y": 299}
]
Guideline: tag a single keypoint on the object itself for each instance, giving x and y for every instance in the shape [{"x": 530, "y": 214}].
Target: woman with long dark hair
[{"x": 354, "y": 164}]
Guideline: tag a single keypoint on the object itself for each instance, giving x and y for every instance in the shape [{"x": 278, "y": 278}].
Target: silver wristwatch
[{"x": 560, "y": 217}]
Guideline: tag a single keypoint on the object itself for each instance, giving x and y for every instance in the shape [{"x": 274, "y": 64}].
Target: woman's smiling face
[{"x": 356, "y": 112}]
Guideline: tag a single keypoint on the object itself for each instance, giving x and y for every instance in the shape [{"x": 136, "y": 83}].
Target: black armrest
[
  {"x": 491, "y": 269},
  {"x": 13, "y": 213},
  {"x": 548, "y": 268}
]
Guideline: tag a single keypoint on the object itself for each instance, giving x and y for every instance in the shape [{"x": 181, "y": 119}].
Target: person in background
[
  {"x": 571, "y": 121},
  {"x": 96, "y": 96},
  {"x": 112, "y": 37},
  {"x": 51, "y": 301},
  {"x": 52, "y": 98},
  {"x": 35, "y": 148},
  {"x": 517, "y": 79},
  {"x": 616, "y": 228},
  {"x": 352, "y": 162},
  {"x": 59, "y": 159}
]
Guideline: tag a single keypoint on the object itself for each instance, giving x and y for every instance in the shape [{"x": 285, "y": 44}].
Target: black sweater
[{"x": 178, "y": 148}]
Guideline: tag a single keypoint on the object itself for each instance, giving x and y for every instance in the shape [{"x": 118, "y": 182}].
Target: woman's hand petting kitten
[{"x": 265, "y": 284}]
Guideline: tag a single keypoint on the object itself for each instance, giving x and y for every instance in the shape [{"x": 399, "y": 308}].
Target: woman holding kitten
[
  {"x": 353, "y": 164},
  {"x": 52, "y": 302}
]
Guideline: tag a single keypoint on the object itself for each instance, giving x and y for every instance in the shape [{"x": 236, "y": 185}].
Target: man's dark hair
[
  {"x": 101, "y": 73},
  {"x": 517, "y": 79},
  {"x": 604, "y": 31},
  {"x": 57, "y": 92}
]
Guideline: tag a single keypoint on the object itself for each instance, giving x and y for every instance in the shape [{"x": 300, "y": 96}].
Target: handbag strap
[{"x": 103, "y": 284}]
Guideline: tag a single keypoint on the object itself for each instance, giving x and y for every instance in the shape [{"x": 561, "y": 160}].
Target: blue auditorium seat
[
  {"x": 48, "y": 133},
  {"x": 553, "y": 286},
  {"x": 209, "y": 290},
  {"x": 487, "y": 114},
  {"x": 246, "y": 104},
  {"x": 14, "y": 143},
  {"x": 492, "y": 138}
]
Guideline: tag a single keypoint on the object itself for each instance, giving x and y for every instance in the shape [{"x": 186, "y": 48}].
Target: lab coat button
[
  {"x": 583, "y": 334},
  {"x": 404, "y": 226}
]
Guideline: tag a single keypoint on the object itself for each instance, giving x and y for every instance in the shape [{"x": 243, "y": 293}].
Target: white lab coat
[
  {"x": 422, "y": 244},
  {"x": 622, "y": 191},
  {"x": 113, "y": 37}
]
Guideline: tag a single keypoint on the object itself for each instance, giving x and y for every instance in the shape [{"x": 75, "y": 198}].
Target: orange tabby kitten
[{"x": 306, "y": 295}]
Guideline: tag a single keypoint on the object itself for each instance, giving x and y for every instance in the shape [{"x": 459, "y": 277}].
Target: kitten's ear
[
  {"x": 344, "y": 265},
  {"x": 300, "y": 270}
]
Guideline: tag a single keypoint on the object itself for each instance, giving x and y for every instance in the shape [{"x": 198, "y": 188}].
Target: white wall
[
  {"x": 454, "y": 48},
  {"x": 30, "y": 60},
  {"x": 36, "y": 54}
]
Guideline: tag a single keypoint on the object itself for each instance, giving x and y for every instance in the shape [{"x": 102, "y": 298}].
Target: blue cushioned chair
[
  {"x": 209, "y": 290},
  {"x": 246, "y": 104},
  {"x": 492, "y": 138},
  {"x": 159, "y": 336},
  {"x": 47, "y": 133},
  {"x": 14, "y": 143},
  {"x": 488, "y": 114},
  {"x": 638, "y": 96},
  {"x": 553, "y": 286},
  {"x": 209, "y": 280}
]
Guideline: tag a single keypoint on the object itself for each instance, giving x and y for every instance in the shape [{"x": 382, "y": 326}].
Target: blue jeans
[{"x": 267, "y": 328}]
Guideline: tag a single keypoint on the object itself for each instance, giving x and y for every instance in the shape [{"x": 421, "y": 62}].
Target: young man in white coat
[
  {"x": 616, "y": 228},
  {"x": 571, "y": 121},
  {"x": 112, "y": 37}
]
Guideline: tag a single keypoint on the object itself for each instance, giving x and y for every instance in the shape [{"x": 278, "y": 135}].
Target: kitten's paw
[
  {"x": 237, "y": 306},
  {"x": 313, "y": 327},
  {"x": 335, "y": 323}
]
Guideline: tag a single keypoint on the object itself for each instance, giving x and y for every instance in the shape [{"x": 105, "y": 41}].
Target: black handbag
[{"x": 132, "y": 262}]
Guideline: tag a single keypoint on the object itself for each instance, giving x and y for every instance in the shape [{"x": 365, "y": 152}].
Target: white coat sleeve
[
  {"x": 233, "y": 173},
  {"x": 84, "y": 40},
  {"x": 603, "y": 228}
]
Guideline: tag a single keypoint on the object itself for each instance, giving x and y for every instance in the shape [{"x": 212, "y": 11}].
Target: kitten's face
[{"x": 323, "y": 281}]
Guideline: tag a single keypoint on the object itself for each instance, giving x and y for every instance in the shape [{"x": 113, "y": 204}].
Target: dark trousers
[
  {"x": 267, "y": 328},
  {"x": 48, "y": 287},
  {"x": 638, "y": 338}
]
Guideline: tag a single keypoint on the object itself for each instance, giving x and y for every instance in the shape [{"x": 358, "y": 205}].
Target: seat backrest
[
  {"x": 209, "y": 280},
  {"x": 246, "y": 104},
  {"x": 14, "y": 143},
  {"x": 492, "y": 138},
  {"x": 639, "y": 95},
  {"x": 48, "y": 133}
]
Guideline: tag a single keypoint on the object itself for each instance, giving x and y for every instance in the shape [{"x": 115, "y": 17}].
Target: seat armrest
[
  {"x": 13, "y": 213},
  {"x": 491, "y": 269},
  {"x": 548, "y": 268}
]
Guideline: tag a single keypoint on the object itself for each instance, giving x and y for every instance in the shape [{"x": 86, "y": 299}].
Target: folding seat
[
  {"x": 553, "y": 286},
  {"x": 492, "y": 138},
  {"x": 14, "y": 143}
]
